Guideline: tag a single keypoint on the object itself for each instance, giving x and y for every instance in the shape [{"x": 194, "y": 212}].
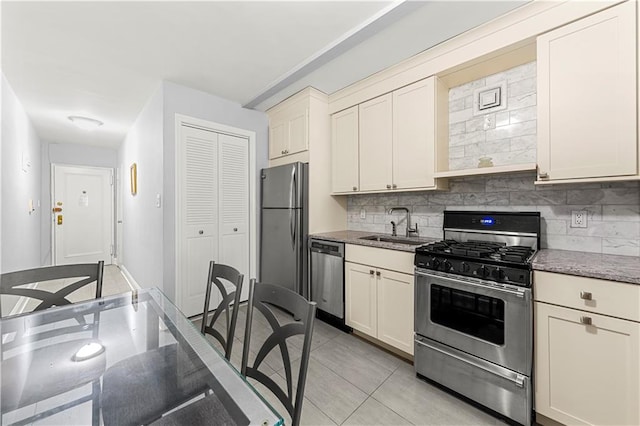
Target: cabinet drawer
[
  {"x": 606, "y": 297},
  {"x": 394, "y": 260}
]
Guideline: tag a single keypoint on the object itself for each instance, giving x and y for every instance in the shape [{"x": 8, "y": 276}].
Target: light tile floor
[{"x": 352, "y": 382}]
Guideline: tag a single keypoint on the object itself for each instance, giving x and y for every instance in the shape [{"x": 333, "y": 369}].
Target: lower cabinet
[
  {"x": 379, "y": 303},
  {"x": 587, "y": 367}
]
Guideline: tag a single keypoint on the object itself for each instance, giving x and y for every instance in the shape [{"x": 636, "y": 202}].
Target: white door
[
  {"x": 82, "y": 215},
  {"x": 198, "y": 202},
  {"x": 233, "y": 163}
]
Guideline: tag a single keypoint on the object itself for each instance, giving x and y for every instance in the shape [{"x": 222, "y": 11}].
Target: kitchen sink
[{"x": 395, "y": 240}]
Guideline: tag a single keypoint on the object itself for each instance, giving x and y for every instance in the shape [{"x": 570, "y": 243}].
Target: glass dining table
[{"x": 128, "y": 359}]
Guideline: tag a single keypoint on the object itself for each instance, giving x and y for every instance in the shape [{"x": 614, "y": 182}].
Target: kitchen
[
  {"x": 488, "y": 149},
  {"x": 503, "y": 136}
]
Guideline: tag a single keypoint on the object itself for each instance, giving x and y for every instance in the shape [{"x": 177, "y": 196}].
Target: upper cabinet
[
  {"x": 289, "y": 128},
  {"x": 587, "y": 94},
  {"x": 344, "y": 151},
  {"x": 393, "y": 138},
  {"x": 414, "y": 134},
  {"x": 375, "y": 151}
]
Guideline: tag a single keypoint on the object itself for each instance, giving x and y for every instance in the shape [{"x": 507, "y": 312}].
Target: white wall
[
  {"x": 142, "y": 251},
  {"x": 183, "y": 100},
  {"x": 68, "y": 154},
  {"x": 20, "y": 229}
]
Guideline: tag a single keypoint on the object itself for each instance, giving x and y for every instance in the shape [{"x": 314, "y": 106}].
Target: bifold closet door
[{"x": 198, "y": 202}]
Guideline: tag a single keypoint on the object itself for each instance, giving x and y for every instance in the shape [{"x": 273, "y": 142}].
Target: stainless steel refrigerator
[{"x": 284, "y": 227}]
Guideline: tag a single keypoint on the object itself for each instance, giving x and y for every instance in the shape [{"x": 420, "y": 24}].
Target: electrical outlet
[
  {"x": 578, "y": 218},
  {"x": 363, "y": 214}
]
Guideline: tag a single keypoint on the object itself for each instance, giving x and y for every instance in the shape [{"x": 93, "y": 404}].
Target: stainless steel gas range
[{"x": 473, "y": 309}]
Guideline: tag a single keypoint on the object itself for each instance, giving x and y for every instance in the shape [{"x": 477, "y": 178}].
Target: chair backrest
[
  {"x": 12, "y": 283},
  {"x": 218, "y": 271},
  {"x": 260, "y": 296}
]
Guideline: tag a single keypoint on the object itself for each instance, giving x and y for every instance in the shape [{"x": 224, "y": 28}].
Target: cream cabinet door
[
  {"x": 375, "y": 149},
  {"x": 587, "y": 112},
  {"x": 414, "y": 135},
  {"x": 360, "y": 298},
  {"x": 395, "y": 309},
  {"x": 344, "y": 151},
  {"x": 298, "y": 125},
  {"x": 586, "y": 374},
  {"x": 277, "y": 139}
]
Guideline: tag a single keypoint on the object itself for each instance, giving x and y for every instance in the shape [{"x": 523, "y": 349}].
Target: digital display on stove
[{"x": 487, "y": 221}]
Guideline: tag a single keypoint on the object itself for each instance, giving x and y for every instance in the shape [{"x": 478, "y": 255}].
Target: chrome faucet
[{"x": 411, "y": 231}]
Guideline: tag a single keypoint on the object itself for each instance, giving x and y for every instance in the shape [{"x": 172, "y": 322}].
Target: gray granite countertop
[
  {"x": 593, "y": 265},
  {"x": 355, "y": 237}
]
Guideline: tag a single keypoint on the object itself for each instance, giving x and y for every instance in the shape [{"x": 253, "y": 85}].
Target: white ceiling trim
[{"x": 382, "y": 19}]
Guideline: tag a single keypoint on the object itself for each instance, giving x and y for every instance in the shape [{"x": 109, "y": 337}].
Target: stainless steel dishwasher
[{"x": 327, "y": 280}]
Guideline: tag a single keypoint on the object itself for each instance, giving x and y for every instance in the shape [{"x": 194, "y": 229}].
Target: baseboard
[{"x": 129, "y": 278}]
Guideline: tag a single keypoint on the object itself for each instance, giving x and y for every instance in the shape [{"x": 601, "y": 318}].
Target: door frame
[
  {"x": 53, "y": 201},
  {"x": 211, "y": 126}
]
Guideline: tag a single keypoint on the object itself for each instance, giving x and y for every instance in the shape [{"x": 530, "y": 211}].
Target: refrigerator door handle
[
  {"x": 292, "y": 192},
  {"x": 292, "y": 214}
]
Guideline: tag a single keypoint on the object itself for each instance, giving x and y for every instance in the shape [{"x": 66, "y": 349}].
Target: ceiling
[{"x": 105, "y": 59}]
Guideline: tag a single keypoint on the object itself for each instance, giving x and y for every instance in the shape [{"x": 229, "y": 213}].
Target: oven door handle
[
  {"x": 518, "y": 293},
  {"x": 516, "y": 378}
]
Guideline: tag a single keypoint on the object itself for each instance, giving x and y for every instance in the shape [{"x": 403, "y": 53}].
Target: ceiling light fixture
[{"x": 85, "y": 123}]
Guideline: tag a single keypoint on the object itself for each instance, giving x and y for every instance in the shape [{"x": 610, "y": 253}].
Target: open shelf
[{"x": 511, "y": 168}]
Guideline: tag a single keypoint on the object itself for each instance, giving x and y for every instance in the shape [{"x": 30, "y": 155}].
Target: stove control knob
[
  {"x": 464, "y": 267},
  {"x": 482, "y": 271},
  {"x": 446, "y": 266},
  {"x": 498, "y": 274},
  {"x": 435, "y": 263}
]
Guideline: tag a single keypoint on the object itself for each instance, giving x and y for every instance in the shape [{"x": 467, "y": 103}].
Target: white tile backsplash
[
  {"x": 494, "y": 138},
  {"x": 613, "y": 210}
]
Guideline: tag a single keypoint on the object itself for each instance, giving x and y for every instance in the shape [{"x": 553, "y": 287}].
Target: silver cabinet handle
[
  {"x": 388, "y": 186},
  {"x": 543, "y": 175},
  {"x": 355, "y": 188},
  {"x": 585, "y": 320},
  {"x": 371, "y": 271},
  {"x": 394, "y": 186},
  {"x": 585, "y": 295}
]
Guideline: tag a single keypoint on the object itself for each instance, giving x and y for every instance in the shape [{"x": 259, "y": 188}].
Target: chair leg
[{"x": 95, "y": 403}]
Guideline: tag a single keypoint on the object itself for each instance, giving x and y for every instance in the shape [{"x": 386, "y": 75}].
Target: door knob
[
  {"x": 394, "y": 186},
  {"x": 355, "y": 188},
  {"x": 543, "y": 175},
  {"x": 388, "y": 186},
  {"x": 201, "y": 232},
  {"x": 377, "y": 273},
  {"x": 585, "y": 295},
  {"x": 371, "y": 271},
  {"x": 235, "y": 229}
]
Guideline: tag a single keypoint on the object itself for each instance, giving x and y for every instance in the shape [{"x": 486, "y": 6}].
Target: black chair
[
  {"x": 216, "y": 273},
  {"x": 13, "y": 283},
  {"x": 260, "y": 297}
]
